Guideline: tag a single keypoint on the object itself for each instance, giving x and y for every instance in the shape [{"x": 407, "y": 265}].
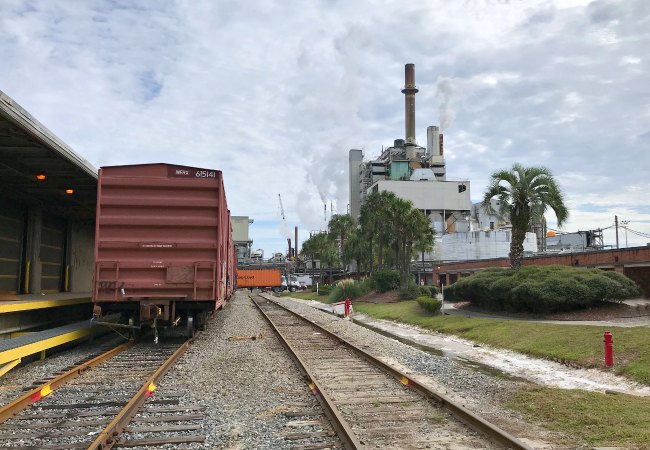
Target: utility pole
[
  {"x": 616, "y": 225},
  {"x": 624, "y": 224}
]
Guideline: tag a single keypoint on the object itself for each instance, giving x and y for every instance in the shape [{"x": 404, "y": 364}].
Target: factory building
[
  {"x": 579, "y": 241},
  {"x": 419, "y": 174},
  {"x": 241, "y": 237}
]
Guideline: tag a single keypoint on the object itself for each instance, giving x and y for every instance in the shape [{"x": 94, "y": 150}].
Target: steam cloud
[{"x": 444, "y": 92}]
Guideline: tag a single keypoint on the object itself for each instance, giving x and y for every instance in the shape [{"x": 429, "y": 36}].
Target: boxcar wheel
[
  {"x": 189, "y": 332},
  {"x": 133, "y": 331}
]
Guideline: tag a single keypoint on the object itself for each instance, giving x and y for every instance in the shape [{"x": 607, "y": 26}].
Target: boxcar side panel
[{"x": 158, "y": 234}]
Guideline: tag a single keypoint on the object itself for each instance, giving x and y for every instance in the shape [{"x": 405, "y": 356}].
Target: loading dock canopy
[{"x": 37, "y": 168}]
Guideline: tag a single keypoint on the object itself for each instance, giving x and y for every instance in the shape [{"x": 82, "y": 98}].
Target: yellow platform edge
[
  {"x": 36, "y": 347},
  {"x": 25, "y": 305}
]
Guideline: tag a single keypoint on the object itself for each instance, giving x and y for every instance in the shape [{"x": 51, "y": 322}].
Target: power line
[{"x": 638, "y": 233}]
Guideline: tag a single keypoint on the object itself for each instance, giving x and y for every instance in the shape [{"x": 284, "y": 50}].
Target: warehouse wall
[{"x": 82, "y": 258}]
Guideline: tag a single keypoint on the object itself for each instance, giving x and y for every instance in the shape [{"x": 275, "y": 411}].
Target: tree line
[{"x": 391, "y": 231}]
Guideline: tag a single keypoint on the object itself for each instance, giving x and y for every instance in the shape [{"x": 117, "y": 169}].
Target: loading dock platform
[
  {"x": 12, "y": 351},
  {"x": 32, "y": 301}
]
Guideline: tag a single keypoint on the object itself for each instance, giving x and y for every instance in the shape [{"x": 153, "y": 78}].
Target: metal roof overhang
[{"x": 27, "y": 149}]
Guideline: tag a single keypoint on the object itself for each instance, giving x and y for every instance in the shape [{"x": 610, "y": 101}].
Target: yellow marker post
[{"x": 47, "y": 390}]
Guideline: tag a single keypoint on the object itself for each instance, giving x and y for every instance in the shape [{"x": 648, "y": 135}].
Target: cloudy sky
[{"x": 275, "y": 92}]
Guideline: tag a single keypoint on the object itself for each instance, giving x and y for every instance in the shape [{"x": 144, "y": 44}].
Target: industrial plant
[{"x": 463, "y": 230}]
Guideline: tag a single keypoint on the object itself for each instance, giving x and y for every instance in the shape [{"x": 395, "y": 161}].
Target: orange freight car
[{"x": 259, "y": 278}]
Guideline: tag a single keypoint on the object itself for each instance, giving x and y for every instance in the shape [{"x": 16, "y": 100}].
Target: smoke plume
[{"x": 444, "y": 93}]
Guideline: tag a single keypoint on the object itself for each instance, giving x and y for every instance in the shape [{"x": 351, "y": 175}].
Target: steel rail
[
  {"x": 106, "y": 438},
  {"x": 472, "y": 420},
  {"x": 22, "y": 402},
  {"x": 336, "y": 418}
]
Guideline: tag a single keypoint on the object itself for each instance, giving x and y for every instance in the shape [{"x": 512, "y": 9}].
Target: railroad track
[
  {"x": 106, "y": 402},
  {"x": 371, "y": 404}
]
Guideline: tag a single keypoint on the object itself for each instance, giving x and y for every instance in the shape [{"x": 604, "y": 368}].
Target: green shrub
[
  {"x": 450, "y": 293},
  {"x": 348, "y": 289},
  {"x": 628, "y": 288},
  {"x": 366, "y": 285},
  {"x": 429, "y": 304},
  {"x": 425, "y": 291},
  {"x": 541, "y": 289},
  {"x": 411, "y": 292},
  {"x": 433, "y": 291},
  {"x": 325, "y": 289},
  {"x": 385, "y": 280}
]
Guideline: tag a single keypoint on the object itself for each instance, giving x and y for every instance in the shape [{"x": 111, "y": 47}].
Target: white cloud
[{"x": 274, "y": 93}]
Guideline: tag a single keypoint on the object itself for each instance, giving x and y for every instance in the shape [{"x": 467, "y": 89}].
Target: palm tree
[
  {"x": 357, "y": 249},
  {"x": 341, "y": 227},
  {"x": 424, "y": 242},
  {"x": 375, "y": 222},
  {"x": 399, "y": 211},
  {"x": 410, "y": 226},
  {"x": 524, "y": 194},
  {"x": 319, "y": 246}
]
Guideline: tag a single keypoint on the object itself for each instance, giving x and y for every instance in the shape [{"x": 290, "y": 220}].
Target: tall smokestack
[
  {"x": 409, "y": 92},
  {"x": 295, "y": 245}
]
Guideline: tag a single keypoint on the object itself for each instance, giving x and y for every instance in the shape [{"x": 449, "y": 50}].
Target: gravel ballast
[
  {"x": 478, "y": 391},
  {"x": 13, "y": 383},
  {"x": 251, "y": 389},
  {"x": 248, "y": 385},
  {"x": 253, "y": 396}
]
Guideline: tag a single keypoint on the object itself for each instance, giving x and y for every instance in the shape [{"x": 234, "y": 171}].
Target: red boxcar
[{"x": 163, "y": 243}]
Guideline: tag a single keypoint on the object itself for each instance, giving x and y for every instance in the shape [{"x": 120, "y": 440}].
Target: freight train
[
  {"x": 265, "y": 279},
  {"x": 164, "y": 254}
]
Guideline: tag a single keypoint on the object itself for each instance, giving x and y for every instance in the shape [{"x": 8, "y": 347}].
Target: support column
[{"x": 33, "y": 254}]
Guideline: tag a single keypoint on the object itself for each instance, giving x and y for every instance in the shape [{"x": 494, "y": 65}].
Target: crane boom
[{"x": 281, "y": 208}]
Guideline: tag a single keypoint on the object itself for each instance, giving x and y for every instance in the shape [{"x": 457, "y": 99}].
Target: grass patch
[
  {"x": 578, "y": 344},
  {"x": 597, "y": 419}
]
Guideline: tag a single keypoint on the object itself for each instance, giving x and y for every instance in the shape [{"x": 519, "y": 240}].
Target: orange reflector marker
[
  {"x": 150, "y": 389},
  {"x": 40, "y": 176},
  {"x": 69, "y": 191},
  {"x": 405, "y": 381},
  {"x": 312, "y": 386},
  {"x": 36, "y": 396}
]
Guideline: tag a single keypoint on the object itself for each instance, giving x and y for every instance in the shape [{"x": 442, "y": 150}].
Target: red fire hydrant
[
  {"x": 348, "y": 304},
  {"x": 609, "y": 354}
]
